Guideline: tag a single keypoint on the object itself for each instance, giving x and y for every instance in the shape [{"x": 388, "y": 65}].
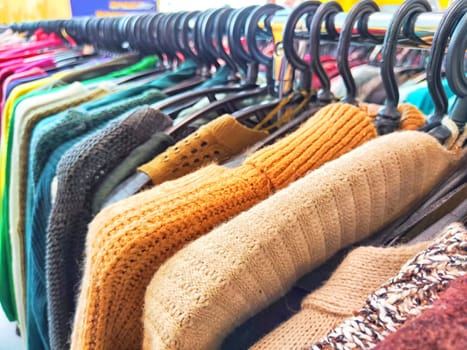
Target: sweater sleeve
[
  {"x": 229, "y": 275},
  {"x": 128, "y": 242}
]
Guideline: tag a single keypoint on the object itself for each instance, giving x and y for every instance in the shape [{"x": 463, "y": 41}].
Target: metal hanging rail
[{"x": 424, "y": 26}]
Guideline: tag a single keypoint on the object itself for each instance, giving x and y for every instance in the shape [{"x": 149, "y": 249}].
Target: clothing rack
[
  {"x": 424, "y": 26},
  {"x": 266, "y": 145}
]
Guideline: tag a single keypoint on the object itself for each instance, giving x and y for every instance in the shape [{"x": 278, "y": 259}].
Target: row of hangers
[{"x": 240, "y": 39}]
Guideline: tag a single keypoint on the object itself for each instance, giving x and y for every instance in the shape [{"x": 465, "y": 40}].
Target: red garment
[
  {"x": 443, "y": 326},
  {"x": 39, "y": 44}
]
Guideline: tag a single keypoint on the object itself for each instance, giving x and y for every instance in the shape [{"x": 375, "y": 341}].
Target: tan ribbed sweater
[
  {"x": 223, "y": 278},
  {"x": 128, "y": 242},
  {"x": 361, "y": 273}
]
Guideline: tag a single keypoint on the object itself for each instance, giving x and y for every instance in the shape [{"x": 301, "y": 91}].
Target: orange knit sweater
[{"x": 127, "y": 242}]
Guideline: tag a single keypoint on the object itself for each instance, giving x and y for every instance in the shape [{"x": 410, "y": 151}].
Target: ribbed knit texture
[
  {"x": 239, "y": 268},
  {"x": 361, "y": 272},
  {"x": 444, "y": 326},
  {"x": 128, "y": 241},
  {"x": 216, "y": 142},
  {"x": 78, "y": 173},
  {"x": 414, "y": 289}
]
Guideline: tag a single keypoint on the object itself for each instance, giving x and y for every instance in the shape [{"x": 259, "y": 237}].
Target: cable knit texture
[
  {"x": 216, "y": 141},
  {"x": 444, "y": 326},
  {"x": 79, "y": 172},
  {"x": 414, "y": 289},
  {"x": 361, "y": 272},
  {"x": 248, "y": 263},
  {"x": 129, "y": 241}
]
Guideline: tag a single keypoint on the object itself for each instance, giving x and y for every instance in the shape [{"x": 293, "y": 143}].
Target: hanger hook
[
  {"x": 236, "y": 31},
  {"x": 455, "y": 72},
  {"x": 357, "y": 13},
  {"x": 323, "y": 14},
  {"x": 306, "y": 8},
  {"x": 440, "y": 40},
  {"x": 388, "y": 118},
  {"x": 220, "y": 28},
  {"x": 252, "y": 28}
]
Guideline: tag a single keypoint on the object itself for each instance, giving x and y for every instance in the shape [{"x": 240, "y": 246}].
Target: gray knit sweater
[{"x": 79, "y": 173}]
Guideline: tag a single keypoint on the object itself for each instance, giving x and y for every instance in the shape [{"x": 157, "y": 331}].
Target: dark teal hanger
[
  {"x": 455, "y": 72},
  {"x": 446, "y": 27}
]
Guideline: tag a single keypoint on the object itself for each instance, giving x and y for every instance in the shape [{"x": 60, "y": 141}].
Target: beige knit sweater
[
  {"x": 220, "y": 280},
  {"x": 361, "y": 273}
]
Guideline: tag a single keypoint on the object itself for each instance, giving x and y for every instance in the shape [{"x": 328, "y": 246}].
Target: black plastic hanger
[
  {"x": 261, "y": 110},
  {"x": 205, "y": 62},
  {"x": 388, "y": 118},
  {"x": 308, "y": 9},
  {"x": 235, "y": 32},
  {"x": 138, "y": 181},
  {"x": 357, "y": 14},
  {"x": 446, "y": 27},
  {"x": 324, "y": 14},
  {"x": 455, "y": 72},
  {"x": 218, "y": 26},
  {"x": 256, "y": 57},
  {"x": 184, "y": 35},
  {"x": 192, "y": 97},
  {"x": 230, "y": 103}
]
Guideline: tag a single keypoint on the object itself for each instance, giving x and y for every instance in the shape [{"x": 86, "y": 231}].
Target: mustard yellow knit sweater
[{"x": 127, "y": 242}]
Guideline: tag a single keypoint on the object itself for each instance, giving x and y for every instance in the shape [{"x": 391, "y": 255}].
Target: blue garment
[
  {"x": 421, "y": 98},
  {"x": 49, "y": 136},
  {"x": 37, "y": 326}
]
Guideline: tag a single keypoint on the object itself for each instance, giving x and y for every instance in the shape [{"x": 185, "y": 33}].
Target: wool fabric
[
  {"x": 36, "y": 295},
  {"x": 15, "y": 200},
  {"x": 128, "y": 241},
  {"x": 75, "y": 122},
  {"x": 216, "y": 142},
  {"x": 444, "y": 326},
  {"x": 251, "y": 261},
  {"x": 23, "y": 108},
  {"x": 359, "y": 274},
  {"x": 414, "y": 289},
  {"x": 78, "y": 173},
  {"x": 59, "y": 133}
]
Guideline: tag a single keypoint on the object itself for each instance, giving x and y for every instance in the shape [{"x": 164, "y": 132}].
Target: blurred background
[{"x": 25, "y": 10}]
